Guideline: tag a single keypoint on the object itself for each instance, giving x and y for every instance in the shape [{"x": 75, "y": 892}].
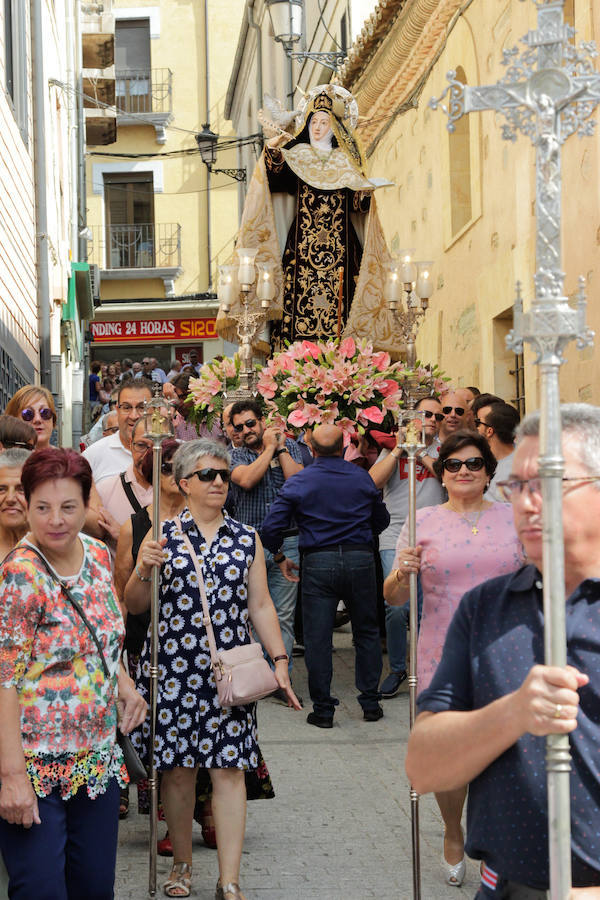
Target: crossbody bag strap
[
  {"x": 135, "y": 503},
  {"x": 78, "y": 608},
  {"x": 214, "y": 658}
]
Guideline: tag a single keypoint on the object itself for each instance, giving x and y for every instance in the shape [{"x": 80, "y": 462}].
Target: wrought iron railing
[
  {"x": 136, "y": 246},
  {"x": 141, "y": 91}
]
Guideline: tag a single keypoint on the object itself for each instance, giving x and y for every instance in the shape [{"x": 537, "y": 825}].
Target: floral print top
[{"x": 68, "y": 710}]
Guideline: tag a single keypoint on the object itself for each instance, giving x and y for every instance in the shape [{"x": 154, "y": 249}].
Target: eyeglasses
[
  {"x": 511, "y": 490},
  {"x": 127, "y": 408},
  {"x": 427, "y": 414},
  {"x": 249, "y": 423},
  {"x": 166, "y": 468},
  {"x": 28, "y": 414},
  {"x": 459, "y": 410},
  {"x": 7, "y": 444},
  {"x": 207, "y": 475},
  {"x": 140, "y": 446},
  {"x": 473, "y": 464},
  {"x": 480, "y": 422},
  {"x": 110, "y": 430}
]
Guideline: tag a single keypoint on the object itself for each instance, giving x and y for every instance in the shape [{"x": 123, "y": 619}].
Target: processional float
[
  {"x": 158, "y": 426},
  {"x": 548, "y": 93}
]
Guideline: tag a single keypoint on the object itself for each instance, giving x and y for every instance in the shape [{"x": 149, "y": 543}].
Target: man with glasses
[
  {"x": 390, "y": 474},
  {"x": 492, "y": 700},
  {"x": 128, "y": 491},
  {"x": 457, "y": 415},
  {"x": 111, "y": 455},
  {"x": 497, "y": 423},
  {"x": 260, "y": 468}
]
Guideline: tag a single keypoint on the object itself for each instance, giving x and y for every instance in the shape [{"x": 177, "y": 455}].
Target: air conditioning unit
[{"x": 95, "y": 281}]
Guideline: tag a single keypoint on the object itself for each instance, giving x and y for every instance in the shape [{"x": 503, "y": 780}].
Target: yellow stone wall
[{"x": 476, "y": 269}]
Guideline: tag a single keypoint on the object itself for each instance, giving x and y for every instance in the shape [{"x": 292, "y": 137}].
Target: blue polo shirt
[
  {"x": 495, "y": 637},
  {"x": 332, "y": 502}
]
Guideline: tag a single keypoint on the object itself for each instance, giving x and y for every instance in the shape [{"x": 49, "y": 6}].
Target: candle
[
  {"x": 265, "y": 288},
  {"x": 408, "y": 270},
  {"x": 246, "y": 271},
  {"x": 393, "y": 287},
  {"x": 424, "y": 281}
]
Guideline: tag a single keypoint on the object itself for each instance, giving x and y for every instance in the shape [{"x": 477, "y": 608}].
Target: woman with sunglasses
[
  {"x": 34, "y": 404},
  {"x": 461, "y": 543},
  {"x": 193, "y": 731}
]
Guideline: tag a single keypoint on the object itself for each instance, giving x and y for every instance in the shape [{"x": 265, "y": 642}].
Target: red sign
[{"x": 153, "y": 330}]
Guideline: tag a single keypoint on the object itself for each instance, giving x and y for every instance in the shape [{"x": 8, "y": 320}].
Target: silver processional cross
[{"x": 548, "y": 93}]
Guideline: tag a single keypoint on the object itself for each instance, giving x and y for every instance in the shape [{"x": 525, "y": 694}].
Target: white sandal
[{"x": 179, "y": 884}]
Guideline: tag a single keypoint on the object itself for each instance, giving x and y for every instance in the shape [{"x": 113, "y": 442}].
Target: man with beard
[{"x": 260, "y": 468}]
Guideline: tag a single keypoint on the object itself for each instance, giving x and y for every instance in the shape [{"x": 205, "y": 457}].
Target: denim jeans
[
  {"x": 329, "y": 576},
  {"x": 71, "y": 855},
  {"x": 396, "y": 618},
  {"x": 284, "y": 593}
]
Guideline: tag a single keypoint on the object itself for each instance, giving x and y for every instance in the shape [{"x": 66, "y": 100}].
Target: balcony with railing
[
  {"x": 137, "y": 251},
  {"x": 145, "y": 97}
]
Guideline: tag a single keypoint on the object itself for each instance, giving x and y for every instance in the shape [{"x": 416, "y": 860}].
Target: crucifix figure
[{"x": 548, "y": 93}]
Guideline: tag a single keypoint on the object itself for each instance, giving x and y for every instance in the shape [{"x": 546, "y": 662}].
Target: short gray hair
[
  {"x": 14, "y": 458},
  {"x": 187, "y": 456},
  {"x": 582, "y": 421}
]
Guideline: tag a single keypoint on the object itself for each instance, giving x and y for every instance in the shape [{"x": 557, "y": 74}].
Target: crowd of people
[{"x": 289, "y": 533}]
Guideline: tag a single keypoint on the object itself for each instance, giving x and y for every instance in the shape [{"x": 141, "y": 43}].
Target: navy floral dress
[{"x": 191, "y": 728}]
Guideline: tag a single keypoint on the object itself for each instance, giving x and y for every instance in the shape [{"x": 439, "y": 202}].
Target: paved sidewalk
[{"x": 339, "y": 826}]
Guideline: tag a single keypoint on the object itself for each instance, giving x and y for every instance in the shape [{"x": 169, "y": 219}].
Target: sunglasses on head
[
  {"x": 28, "y": 414},
  {"x": 427, "y": 414},
  {"x": 473, "y": 464},
  {"x": 210, "y": 474},
  {"x": 459, "y": 410},
  {"x": 249, "y": 423}
]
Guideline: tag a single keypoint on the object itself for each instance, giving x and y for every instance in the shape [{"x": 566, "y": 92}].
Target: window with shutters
[
  {"x": 129, "y": 204},
  {"x": 132, "y": 65}
]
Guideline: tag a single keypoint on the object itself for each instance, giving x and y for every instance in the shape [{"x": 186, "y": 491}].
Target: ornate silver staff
[
  {"x": 548, "y": 93},
  {"x": 414, "y": 279},
  {"x": 158, "y": 425}
]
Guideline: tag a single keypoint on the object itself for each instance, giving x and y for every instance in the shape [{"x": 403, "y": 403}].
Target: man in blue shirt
[
  {"x": 259, "y": 469},
  {"x": 338, "y": 510},
  {"x": 491, "y": 702}
]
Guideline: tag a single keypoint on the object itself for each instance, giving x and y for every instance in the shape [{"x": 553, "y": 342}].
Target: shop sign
[{"x": 129, "y": 331}]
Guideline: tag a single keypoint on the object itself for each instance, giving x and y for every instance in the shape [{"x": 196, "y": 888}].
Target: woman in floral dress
[
  {"x": 192, "y": 730},
  {"x": 61, "y": 767}
]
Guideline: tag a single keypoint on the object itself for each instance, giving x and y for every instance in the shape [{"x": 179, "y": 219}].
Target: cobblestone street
[{"x": 339, "y": 826}]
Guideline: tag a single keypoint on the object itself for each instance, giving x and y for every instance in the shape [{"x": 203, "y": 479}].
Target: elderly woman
[
  {"x": 13, "y": 509},
  {"x": 34, "y": 404},
  {"x": 460, "y": 544},
  {"x": 192, "y": 730},
  {"x": 60, "y": 763}
]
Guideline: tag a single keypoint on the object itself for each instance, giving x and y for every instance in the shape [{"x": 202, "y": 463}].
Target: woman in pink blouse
[
  {"x": 60, "y": 766},
  {"x": 459, "y": 544}
]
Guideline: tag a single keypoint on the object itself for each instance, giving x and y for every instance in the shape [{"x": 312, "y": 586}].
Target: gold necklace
[{"x": 472, "y": 525}]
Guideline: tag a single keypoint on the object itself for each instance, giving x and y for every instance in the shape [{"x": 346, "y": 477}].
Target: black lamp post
[{"x": 207, "y": 145}]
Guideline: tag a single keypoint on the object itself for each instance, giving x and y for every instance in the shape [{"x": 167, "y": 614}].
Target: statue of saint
[{"x": 311, "y": 212}]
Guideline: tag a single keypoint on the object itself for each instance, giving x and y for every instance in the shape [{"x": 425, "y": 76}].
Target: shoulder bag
[
  {"x": 242, "y": 674},
  {"x": 135, "y": 767}
]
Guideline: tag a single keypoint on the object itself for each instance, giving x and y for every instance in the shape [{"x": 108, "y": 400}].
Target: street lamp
[
  {"x": 207, "y": 145},
  {"x": 286, "y": 20},
  {"x": 405, "y": 276}
]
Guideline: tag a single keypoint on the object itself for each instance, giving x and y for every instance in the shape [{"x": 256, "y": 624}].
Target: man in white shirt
[
  {"x": 497, "y": 423},
  {"x": 112, "y": 455}
]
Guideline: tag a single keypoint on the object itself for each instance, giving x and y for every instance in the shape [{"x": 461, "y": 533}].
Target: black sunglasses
[
  {"x": 166, "y": 468},
  {"x": 28, "y": 414},
  {"x": 249, "y": 423},
  {"x": 459, "y": 410},
  {"x": 210, "y": 474},
  {"x": 427, "y": 414},
  {"x": 473, "y": 464}
]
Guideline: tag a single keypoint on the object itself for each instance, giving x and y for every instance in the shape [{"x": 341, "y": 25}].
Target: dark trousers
[
  {"x": 71, "y": 855},
  {"x": 329, "y": 576}
]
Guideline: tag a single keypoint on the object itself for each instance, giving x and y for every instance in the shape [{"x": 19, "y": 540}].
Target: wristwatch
[
  {"x": 279, "y": 557},
  {"x": 280, "y": 451}
]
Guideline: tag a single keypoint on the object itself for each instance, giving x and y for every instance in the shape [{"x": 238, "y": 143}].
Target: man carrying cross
[{"x": 491, "y": 702}]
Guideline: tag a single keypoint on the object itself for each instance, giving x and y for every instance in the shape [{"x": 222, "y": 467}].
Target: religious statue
[{"x": 311, "y": 212}]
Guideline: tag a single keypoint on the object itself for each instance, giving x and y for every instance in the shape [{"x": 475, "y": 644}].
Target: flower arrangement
[
  {"x": 208, "y": 392},
  {"x": 339, "y": 382}
]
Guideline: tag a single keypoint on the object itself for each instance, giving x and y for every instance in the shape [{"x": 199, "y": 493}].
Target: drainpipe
[
  {"x": 207, "y": 119},
  {"x": 259, "y": 53},
  {"x": 39, "y": 138}
]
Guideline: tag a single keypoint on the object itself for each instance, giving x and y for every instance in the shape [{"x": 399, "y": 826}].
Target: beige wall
[{"x": 476, "y": 269}]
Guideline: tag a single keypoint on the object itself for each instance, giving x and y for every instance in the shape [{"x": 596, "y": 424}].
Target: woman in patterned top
[
  {"x": 59, "y": 763},
  {"x": 192, "y": 730}
]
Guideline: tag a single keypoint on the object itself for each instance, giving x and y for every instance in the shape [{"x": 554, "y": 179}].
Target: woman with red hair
[{"x": 61, "y": 688}]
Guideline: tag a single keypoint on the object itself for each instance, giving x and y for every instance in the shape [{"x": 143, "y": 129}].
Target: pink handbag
[{"x": 242, "y": 674}]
